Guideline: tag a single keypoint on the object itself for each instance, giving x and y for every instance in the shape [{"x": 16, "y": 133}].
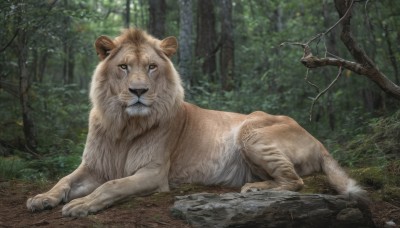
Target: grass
[
  {"x": 379, "y": 144},
  {"x": 12, "y": 167},
  {"x": 47, "y": 168}
]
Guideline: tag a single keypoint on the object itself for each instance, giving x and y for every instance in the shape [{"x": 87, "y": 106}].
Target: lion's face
[{"x": 135, "y": 75}]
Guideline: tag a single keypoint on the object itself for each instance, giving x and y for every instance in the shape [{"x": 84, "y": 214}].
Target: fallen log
[{"x": 270, "y": 209}]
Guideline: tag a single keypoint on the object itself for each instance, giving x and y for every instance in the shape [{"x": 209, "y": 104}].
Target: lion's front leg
[
  {"x": 143, "y": 182},
  {"x": 77, "y": 184}
]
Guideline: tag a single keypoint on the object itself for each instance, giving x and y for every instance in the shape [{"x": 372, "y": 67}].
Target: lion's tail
[{"x": 340, "y": 181}]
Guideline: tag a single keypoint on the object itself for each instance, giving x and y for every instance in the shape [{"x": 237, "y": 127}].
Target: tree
[
  {"x": 363, "y": 64},
  {"x": 260, "y": 76},
  {"x": 227, "y": 46},
  {"x": 206, "y": 39},
  {"x": 157, "y": 16},
  {"x": 68, "y": 48},
  {"x": 22, "y": 52},
  {"x": 127, "y": 13},
  {"x": 185, "y": 38},
  {"x": 34, "y": 36},
  {"x": 331, "y": 48},
  {"x": 24, "y": 86}
]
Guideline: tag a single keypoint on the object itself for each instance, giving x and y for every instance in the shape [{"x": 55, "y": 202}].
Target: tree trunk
[
  {"x": 206, "y": 38},
  {"x": 332, "y": 49},
  {"x": 42, "y": 66},
  {"x": 392, "y": 55},
  {"x": 68, "y": 48},
  {"x": 35, "y": 64},
  {"x": 227, "y": 46},
  {"x": 185, "y": 37},
  {"x": 127, "y": 17},
  {"x": 157, "y": 15},
  {"x": 65, "y": 64},
  {"x": 24, "y": 86},
  {"x": 71, "y": 64}
]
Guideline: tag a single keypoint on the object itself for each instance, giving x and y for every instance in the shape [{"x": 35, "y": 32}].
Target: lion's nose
[{"x": 138, "y": 92}]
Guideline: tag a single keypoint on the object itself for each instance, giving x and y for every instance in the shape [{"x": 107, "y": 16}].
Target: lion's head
[{"x": 135, "y": 77}]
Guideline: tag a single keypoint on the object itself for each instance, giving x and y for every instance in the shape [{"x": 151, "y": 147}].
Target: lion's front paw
[
  {"x": 76, "y": 208},
  {"x": 41, "y": 202},
  {"x": 80, "y": 208}
]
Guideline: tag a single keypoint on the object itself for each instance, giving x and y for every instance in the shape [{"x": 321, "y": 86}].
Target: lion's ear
[
  {"x": 103, "y": 46},
  {"x": 169, "y": 45}
]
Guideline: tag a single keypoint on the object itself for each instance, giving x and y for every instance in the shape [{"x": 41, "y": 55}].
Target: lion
[{"x": 143, "y": 137}]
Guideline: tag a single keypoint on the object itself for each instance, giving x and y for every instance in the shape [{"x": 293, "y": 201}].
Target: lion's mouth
[
  {"x": 137, "y": 109},
  {"x": 137, "y": 104}
]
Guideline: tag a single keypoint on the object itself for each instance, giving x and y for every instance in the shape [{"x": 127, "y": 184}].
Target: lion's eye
[
  {"x": 152, "y": 66},
  {"x": 123, "y": 66}
]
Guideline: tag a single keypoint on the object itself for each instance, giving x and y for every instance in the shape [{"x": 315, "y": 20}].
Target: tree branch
[
  {"x": 363, "y": 65},
  {"x": 347, "y": 37},
  {"x": 10, "y": 42},
  {"x": 324, "y": 91}
]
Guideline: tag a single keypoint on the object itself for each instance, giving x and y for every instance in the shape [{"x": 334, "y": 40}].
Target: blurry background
[{"x": 230, "y": 58}]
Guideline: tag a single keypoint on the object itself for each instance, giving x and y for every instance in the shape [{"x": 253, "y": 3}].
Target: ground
[{"x": 150, "y": 211}]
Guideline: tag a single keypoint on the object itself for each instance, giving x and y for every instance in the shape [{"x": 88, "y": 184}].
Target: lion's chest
[{"x": 117, "y": 159}]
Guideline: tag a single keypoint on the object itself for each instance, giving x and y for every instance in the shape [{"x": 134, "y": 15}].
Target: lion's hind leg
[{"x": 267, "y": 159}]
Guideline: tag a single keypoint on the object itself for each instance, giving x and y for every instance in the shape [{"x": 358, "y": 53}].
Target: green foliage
[
  {"x": 374, "y": 143},
  {"x": 63, "y": 112},
  {"x": 12, "y": 167},
  {"x": 49, "y": 167},
  {"x": 53, "y": 166},
  {"x": 267, "y": 76},
  {"x": 384, "y": 180}
]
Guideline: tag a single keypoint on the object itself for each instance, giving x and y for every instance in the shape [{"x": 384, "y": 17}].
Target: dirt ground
[{"x": 150, "y": 211}]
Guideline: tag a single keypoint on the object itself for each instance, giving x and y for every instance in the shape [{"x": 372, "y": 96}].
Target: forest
[{"x": 334, "y": 71}]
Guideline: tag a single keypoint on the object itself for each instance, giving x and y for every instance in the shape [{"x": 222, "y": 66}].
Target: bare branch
[
  {"x": 325, "y": 90},
  {"x": 370, "y": 70},
  {"x": 10, "y": 42},
  {"x": 310, "y": 83},
  {"x": 363, "y": 65},
  {"x": 332, "y": 27}
]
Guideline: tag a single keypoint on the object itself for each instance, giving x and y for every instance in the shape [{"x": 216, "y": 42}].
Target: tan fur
[{"x": 136, "y": 149}]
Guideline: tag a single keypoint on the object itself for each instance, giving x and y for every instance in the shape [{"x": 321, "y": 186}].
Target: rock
[{"x": 270, "y": 209}]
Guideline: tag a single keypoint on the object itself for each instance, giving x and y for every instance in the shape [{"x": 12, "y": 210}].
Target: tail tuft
[
  {"x": 340, "y": 181},
  {"x": 354, "y": 191}
]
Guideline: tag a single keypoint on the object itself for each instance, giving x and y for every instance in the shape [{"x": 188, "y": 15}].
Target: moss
[
  {"x": 391, "y": 194},
  {"x": 317, "y": 184},
  {"x": 381, "y": 182},
  {"x": 370, "y": 177}
]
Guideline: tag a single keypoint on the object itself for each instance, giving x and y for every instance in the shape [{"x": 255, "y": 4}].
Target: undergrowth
[
  {"x": 376, "y": 145},
  {"x": 45, "y": 168},
  {"x": 60, "y": 119}
]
